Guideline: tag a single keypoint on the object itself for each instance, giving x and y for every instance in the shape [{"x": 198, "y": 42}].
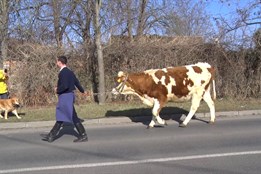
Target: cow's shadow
[{"x": 144, "y": 115}]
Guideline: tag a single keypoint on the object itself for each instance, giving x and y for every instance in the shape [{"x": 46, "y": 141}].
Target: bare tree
[
  {"x": 59, "y": 13},
  {"x": 241, "y": 22},
  {"x": 186, "y": 18},
  {"x": 133, "y": 17},
  {"x": 83, "y": 19}
]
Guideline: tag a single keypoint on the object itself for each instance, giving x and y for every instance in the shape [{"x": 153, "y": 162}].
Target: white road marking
[{"x": 118, "y": 163}]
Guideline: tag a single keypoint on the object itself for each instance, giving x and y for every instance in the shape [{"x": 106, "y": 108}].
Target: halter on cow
[{"x": 157, "y": 86}]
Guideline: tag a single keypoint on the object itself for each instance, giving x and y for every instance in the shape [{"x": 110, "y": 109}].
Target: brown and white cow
[{"x": 157, "y": 86}]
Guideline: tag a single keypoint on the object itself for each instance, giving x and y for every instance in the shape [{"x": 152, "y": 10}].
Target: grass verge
[{"x": 130, "y": 109}]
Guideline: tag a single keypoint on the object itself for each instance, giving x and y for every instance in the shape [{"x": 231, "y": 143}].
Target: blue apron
[{"x": 64, "y": 109}]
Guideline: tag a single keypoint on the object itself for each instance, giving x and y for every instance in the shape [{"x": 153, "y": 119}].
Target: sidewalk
[{"x": 118, "y": 120}]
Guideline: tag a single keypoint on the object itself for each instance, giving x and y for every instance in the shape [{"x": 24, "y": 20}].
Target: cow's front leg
[
  {"x": 155, "y": 111},
  {"x": 195, "y": 104},
  {"x": 152, "y": 122}
]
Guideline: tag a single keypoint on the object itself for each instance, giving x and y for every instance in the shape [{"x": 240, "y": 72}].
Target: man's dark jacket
[{"x": 67, "y": 82}]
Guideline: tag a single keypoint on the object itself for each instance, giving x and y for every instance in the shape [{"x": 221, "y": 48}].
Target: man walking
[{"x": 65, "y": 111}]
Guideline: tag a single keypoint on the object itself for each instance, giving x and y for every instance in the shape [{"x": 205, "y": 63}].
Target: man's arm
[{"x": 78, "y": 85}]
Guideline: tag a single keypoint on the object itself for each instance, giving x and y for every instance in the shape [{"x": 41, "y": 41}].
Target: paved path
[{"x": 118, "y": 120}]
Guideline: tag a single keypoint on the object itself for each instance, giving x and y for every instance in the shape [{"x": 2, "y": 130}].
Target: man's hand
[{"x": 86, "y": 93}]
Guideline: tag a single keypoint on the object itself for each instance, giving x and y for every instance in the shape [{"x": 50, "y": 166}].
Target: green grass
[{"x": 130, "y": 109}]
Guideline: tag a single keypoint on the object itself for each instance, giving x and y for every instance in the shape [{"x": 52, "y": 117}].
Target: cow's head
[{"x": 123, "y": 84}]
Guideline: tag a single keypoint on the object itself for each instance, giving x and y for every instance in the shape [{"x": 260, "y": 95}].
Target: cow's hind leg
[
  {"x": 195, "y": 104},
  {"x": 155, "y": 111},
  {"x": 207, "y": 98}
]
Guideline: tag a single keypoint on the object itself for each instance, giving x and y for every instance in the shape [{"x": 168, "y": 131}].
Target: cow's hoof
[
  {"x": 166, "y": 124},
  {"x": 148, "y": 127},
  {"x": 182, "y": 125}
]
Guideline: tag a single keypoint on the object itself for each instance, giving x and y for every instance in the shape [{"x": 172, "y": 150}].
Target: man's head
[{"x": 61, "y": 61}]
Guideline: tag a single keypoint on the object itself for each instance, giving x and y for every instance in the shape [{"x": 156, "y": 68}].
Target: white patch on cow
[
  {"x": 147, "y": 100},
  {"x": 165, "y": 70},
  {"x": 172, "y": 81},
  {"x": 163, "y": 79},
  {"x": 198, "y": 77},
  {"x": 184, "y": 81},
  {"x": 170, "y": 95},
  {"x": 151, "y": 71},
  {"x": 155, "y": 79}
]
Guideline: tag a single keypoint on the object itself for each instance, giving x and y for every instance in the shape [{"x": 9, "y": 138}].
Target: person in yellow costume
[{"x": 4, "y": 94}]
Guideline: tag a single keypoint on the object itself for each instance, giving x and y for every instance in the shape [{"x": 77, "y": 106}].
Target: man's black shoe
[
  {"x": 44, "y": 135},
  {"x": 82, "y": 138},
  {"x": 47, "y": 137}
]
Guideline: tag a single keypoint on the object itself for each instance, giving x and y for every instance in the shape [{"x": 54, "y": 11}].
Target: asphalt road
[{"x": 231, "y": 146}]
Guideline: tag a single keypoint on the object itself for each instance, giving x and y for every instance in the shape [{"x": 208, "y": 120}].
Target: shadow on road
[
  {"x": 67, "y": 129},
  {"x": 144, "y": 115}
]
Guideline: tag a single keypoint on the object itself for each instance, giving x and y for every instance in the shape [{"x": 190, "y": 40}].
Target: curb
[{"x": 118, "y": 120}]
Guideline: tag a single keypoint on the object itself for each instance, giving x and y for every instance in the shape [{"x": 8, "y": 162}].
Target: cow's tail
[
  {"x": 212, "y": 71},
  {"x": 214, "y": 89}
]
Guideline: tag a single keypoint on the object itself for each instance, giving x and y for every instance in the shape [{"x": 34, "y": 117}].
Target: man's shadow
[{"x": 144, "y": 115}]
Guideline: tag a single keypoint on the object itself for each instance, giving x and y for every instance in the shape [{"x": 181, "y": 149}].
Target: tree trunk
[
  {"x": 141, "y": 18},
  {"x": 101, "y": 88},
  {"x": 129, "y": 19},
  {"x": 4, "y": 5},
  {"x": 57, "y": 26}
]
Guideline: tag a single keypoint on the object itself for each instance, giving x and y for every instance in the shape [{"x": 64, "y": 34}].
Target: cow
[{"x": 155, "y": 87}]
